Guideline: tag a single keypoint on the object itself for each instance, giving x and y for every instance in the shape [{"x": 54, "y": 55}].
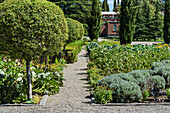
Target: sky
[{"x": 110, "y": 2}]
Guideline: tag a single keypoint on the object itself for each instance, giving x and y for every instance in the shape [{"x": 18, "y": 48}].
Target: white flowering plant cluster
[{"x": 13, "y": 79}]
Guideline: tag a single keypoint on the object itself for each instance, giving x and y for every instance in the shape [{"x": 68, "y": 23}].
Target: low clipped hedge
[{"x": 72, "y": 50}]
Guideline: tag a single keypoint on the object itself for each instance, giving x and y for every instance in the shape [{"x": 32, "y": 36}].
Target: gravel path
[{"x": 73, "y": 96}]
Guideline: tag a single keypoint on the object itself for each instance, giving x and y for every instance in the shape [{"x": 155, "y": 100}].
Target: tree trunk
[{"x": 29, "y": 81}]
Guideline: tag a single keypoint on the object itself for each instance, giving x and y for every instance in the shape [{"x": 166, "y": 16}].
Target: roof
[{"x": 108, "y": 13}]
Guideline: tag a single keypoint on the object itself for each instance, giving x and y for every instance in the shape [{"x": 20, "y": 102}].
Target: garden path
[{"x": 73, "y": 96}]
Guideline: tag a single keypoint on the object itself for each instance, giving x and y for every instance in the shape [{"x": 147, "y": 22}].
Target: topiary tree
[
  {"x": 76, "y": 31},
  {"x": 167, "y": 22},
  {"x": 31, "y": 28}
]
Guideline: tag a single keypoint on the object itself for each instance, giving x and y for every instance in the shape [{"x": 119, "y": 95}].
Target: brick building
[{"x": 110, "y": 25}]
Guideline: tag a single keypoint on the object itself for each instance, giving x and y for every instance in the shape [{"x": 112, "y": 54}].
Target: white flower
[
  {"x": 2, "y": 72},
  {"x": 19, "y": 78}
]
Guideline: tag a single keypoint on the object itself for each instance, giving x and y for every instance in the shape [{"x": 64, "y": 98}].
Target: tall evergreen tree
[
  {"x": 114, "y": 5},
  {"x": 167, "y": 22},
  {"x": 148, "y": 23},
  {"x": 105, "y": 6},
  {"x": 149, "y": 32},
  {"x": 158, "y": 20},
  {"x": 94, "y": 21},
  {"x": 127, "y": 21}
]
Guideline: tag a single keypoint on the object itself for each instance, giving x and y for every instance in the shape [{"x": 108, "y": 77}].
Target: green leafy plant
[
  {"x": 168, "y": 93},
  {"x": 146, "y": 94},
  {"x": 13, "y": 87},
  {"x": 102, "y": 95}
]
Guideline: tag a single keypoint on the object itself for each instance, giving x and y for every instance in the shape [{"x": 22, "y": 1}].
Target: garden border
[
  {"x": 42, "y": 102},
  {"x": 131, "y": 104}
]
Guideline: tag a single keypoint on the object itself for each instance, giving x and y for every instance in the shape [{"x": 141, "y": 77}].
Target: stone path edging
[{"x": 42, "y": 102}]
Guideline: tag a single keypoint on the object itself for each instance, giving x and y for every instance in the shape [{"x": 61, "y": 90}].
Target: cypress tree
[
  {"x": 94, "y": 21},
  {"x": 167, "y": 22},
  {"x": 127, "y": 21},
  {"x": 149, "y": 32},
  {"x": 114, "y": 4},
  {"x": 105, "y": 6}
]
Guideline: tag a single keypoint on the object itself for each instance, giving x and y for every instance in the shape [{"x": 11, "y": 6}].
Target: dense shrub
[
  {"x": 124, "y": 91},
  {"x": 163, "y": 69},
  {"x": 158, "y": 82},
  {"x": 76, "y": 30}
]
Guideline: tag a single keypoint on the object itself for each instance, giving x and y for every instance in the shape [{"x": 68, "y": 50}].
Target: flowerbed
[
  {"x": 13, "y": 85},
  {"x": 123, "y": 73}
]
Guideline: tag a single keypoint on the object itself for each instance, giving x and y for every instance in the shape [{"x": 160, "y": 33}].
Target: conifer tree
[
  {"x": 127, "y": 21},
  {"x": 94, "y": 21},
  {"x": 167, "y": 22},
  {"x": 105, "y": 6},
  {"x": 158, "y": 21},
  {"x": 114, "y": 5}
]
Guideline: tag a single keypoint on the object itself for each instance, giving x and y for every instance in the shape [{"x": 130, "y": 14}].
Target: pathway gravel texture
[{"x": 73, "y": 97}]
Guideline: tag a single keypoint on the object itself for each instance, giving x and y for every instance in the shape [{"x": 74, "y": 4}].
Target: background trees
[
  {"x": 94, "y": 21},
  {"x": 76, "y": 9},
  {"x": 149, "y": 20},
  {"x": 167, "y": 22},
  {"x": 105, "y": 6},
  {"x": 30, "y": 29},
  {"x": 127, "y": 21}
]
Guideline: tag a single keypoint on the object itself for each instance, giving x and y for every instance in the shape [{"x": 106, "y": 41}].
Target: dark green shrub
[
  {"x": 158, "y": 82},
  {"x": 30, "y": 29}
]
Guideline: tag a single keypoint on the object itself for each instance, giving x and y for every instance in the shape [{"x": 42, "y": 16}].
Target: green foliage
[
  {"x": 1, "y": 1},
  {"x": 76, "y": 30},
  {"x": 146, "y": 94},
  {"x": 162, "y": 69},
  {"x": 76, "y": 9},
  {"x": 36, "y": 27},
  {"x": 13, "y": 85},
  {"x": 116, "y": 58},
  {"x": 168, "y": 93},
  {"x": 167, "y": 22},
  {"x": 105, "y": 6},
  {"x": 102, "y": 95},
  {"x": 72, "y": 50},
  {"x": 109, "y": 59},
  {"x": 127, "y": 20},
  {"x": 94, "y": 21},
  {"x": 149, "y": 21},
  {"x": 123, "y": 91},
  {"x": 158, "y": 81}
]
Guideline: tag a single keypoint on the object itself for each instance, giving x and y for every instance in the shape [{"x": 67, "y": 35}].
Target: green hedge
[{"x": 72, "y": 50}]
